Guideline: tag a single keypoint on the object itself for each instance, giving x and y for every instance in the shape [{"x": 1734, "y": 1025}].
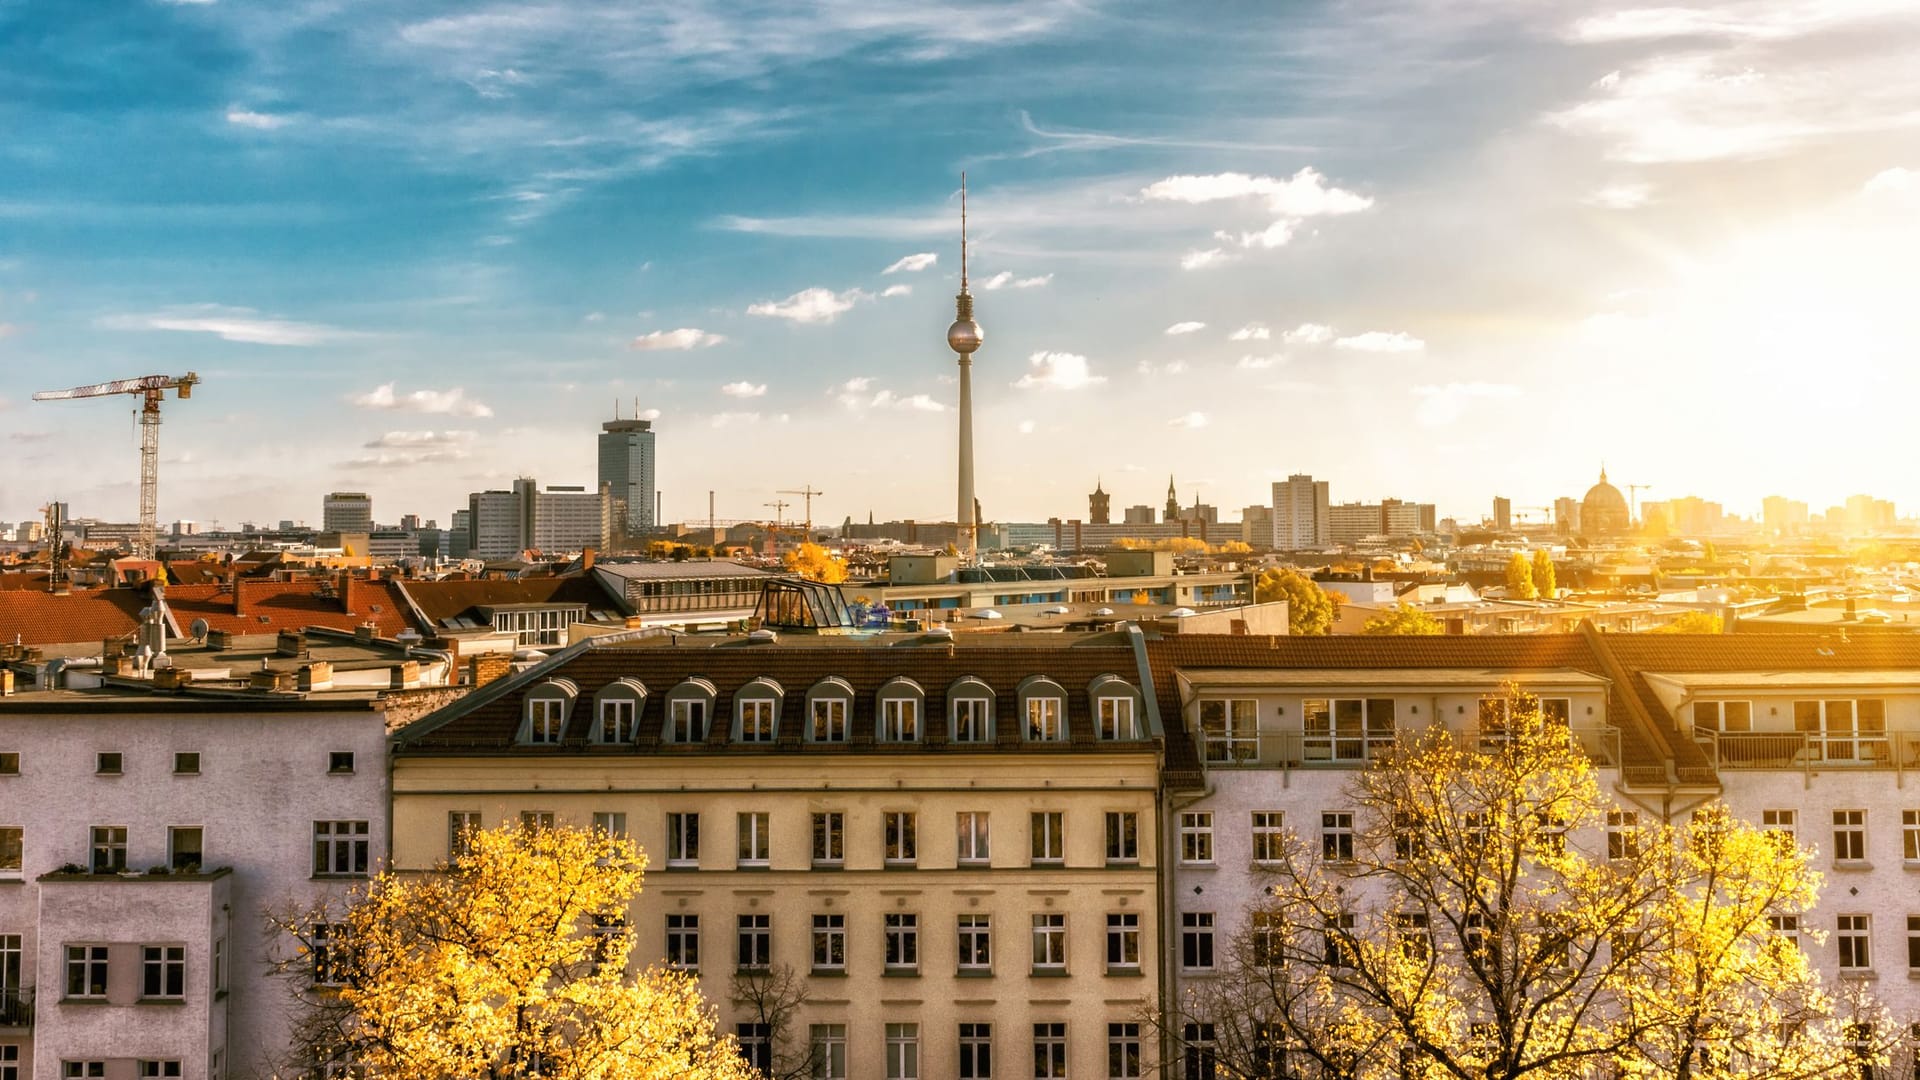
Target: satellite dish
[{"x": 199, "y": 629}]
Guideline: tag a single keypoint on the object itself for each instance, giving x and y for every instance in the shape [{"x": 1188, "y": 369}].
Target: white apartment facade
[{"x": 1300, "y": 514}]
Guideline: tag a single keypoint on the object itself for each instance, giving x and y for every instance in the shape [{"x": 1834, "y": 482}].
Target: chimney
[
  {"x": 316, "y": 676},
  {"x": 363, "y": 634},
  {"x": 270, "y": 680},
  {"x": 404, "y": 675},
  {"x": 487, "y": 667},
  {"x": 113, "y": 647},
  {"x": 171, "y": 678},
  {"x": 586, "y": 559},
  {"x": 239, "y": 606},
  {"x": 6, "y": 682},
  {"x": 290, "y": 643},
  {"x": 219, "y": 641},
  {"x": 110, "y": 664}
]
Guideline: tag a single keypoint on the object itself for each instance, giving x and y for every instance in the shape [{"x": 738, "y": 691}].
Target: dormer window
[
  {"x": 757, "y": 711},
  {"x": 828, "y": 705},
  {"x": 617, "y": 713},
  {"x": 1115, "y": 709},
  {"x": 547, "y": 707},
  {"x": 900, "y": 701},
  {"x": 756, "y": 721},
  {"x": 969, "y": 712},
  {"x": 1044, "y": 706},
  {"x": 689, "y": 708}
]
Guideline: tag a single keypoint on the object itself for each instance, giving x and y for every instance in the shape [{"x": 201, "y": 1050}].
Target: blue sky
[{"x": 1430, "y": 250}]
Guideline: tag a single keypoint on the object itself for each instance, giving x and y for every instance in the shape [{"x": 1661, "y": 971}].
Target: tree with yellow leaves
[
  {"x": 1496, "y": 916},
  {"x": 815, "y": 563},
  {"x": 1310, "y": 608},
  {"x": 509, "y": 962},
  {"x": 1404, "y": 619}
]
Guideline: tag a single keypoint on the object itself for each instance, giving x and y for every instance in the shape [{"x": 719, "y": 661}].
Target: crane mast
[{"x": 151, "y": 389}]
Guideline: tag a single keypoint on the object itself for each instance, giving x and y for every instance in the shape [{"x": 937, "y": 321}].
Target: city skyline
[{"x": 1512, "y": 245}]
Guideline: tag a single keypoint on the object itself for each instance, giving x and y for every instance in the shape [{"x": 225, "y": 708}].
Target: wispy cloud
[
  {"x": 259, "y": 121},
  {"x": 236, "y": 324},
  {"x": 398, "y": 449},
  {"x": 1196, "y": 260},
  {"x": 1303, "y": 195},
  {"x": 1005, "y": 280},
  {"x": 1184, "y": 328},
  {"x": 912, "y": 264},
  {"x": 815, "y": 305},
  {"x": 1443, "y": 404},
  {"x": 1058, "y": 371},
  {"x": 1308, "y": 334},
  {"x": 744, "y": 389},
  {"x": 896, "y": 290},
  {"x": 1192, "y": 421},
  {"x": 1259, "y": 363},
  {"x": 1251, "y": 332},
  {"x": 1894, "y": 180},
  {"x": 1621, "y": 196},
  {"x": 858, "y": 393},
  {"x": 1171, "y": 367},
  {"x": 1759, "y": 20},
  {"x": 1381, "y": 341},
  {"x": 451, "y": 402},
  {"x": 686, "y": 337}
]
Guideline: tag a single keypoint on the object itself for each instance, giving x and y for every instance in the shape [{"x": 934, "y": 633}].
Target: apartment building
[{"x": 950, "y": 840}]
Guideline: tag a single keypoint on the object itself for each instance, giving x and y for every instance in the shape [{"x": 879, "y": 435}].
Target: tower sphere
[{"x": 964, "y": 337}]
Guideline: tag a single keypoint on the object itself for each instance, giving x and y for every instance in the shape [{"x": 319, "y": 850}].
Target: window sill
[
  {"x": 1133, "y": 972},
  {"x": 828, "y": 973},
  {"x": 85, "y": 1001},
  {"x": 1123, "y": 864},
  {"x": 1208, "y": 865},
  {"x": 900, "y": 973},
  {"x": 1852, "y": 865},
  {"x": 172, "y": 1001},
  {"x": 1047, "y": 864},
  {"x": 678, "y": 866},
  {"x": 1861, "y": 974},
  {"x": 339, "y": 877},
  {"x": 900, "y": 866},
  {"x": 1048, "y": 973},
  {"x": 753, "y": 867},
  {"x": 830, "y": 866},
  {"x": 972, "y": 864},
  {"x": 749, "y": 970},
  {"x": 974, "y": 973}
]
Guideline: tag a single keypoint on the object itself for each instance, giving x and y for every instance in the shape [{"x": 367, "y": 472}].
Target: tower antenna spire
[{"x": 963, "y": 233}]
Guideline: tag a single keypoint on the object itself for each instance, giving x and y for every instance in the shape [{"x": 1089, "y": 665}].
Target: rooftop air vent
[{"x": 762, "y": 636}]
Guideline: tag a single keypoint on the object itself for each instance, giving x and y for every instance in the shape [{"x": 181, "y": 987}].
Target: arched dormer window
[
  {"x": 1116, "y": 709},
  {"x": 756, "y": 711},
  {"x": 969, "y": 711},
  {"x": 689, "y": 708},
  {"x": 829, "y": 705},
  {"x": 616, "y": 711},
  {"x": 899, "y": 702},
  {"x": 548, "y": 706},
  {"x": 1043, "y": 709}
]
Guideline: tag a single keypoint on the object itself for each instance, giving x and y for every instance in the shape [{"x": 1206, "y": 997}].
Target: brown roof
[
  {"x": 270, "y": 606},
  {"x": 91, "y": 615},
  {"x": 452, "y": 598}
]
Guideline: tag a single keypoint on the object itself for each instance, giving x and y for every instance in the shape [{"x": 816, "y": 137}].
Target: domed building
[{"x": 1604, "y": 511}]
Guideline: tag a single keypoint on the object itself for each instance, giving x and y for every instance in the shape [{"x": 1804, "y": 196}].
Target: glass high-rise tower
[{"x": 626, "y": 469}]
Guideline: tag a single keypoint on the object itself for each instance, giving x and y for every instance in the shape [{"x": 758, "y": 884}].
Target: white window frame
[
  {"x": 611, "y": 822},
  {"x": 93, "y": 963},
  {"x": 1719, "y": 715},
  {"x": 1115, "y": 717},
  {"x": 109, "y": 841},
  {"x": 683, "y": 839},
  {"x": 1196, "y": 837},
  {"x": 976, "y": 1050},
  {"x": 1049, "y": 942},
  {"x": 1123, "y": 942},
  {"x": 1910, "y": 836},
  {"x": 1853, "y": 943},
  {"x": 1850, "y": 835},
  {"x": 683, "y": 941},
  {"x": 1046, "y": 718},
  {"x": 900, "y": 838},
  {"x": 1123, "y": 1051},
  {"x": 1230, "y": 729},
  {"x": 1048, "y": 832},
  {"x": 829, "y": 1045},
  {"x": 619, "y": 720},
  {"x": 342, "y": 843},
  {"x": 900, "y": 935},
  {"x": 973, "y": 837},
  {"x": 903, "y": 1051},
  {"x": 972, "y": 721},
  {"x": 1831, "y": 739},
  {"x": 1337, "y": 836},
  {"x": 753, "y": 941},
  {"x": 1332, "y": 731},
  {"x": 829, "y": 838},
  {"x": 1623, "y": 834},
  {"x": 899, "y": 719},
  {"x": 974, "y": 931},
  {"x": 163, "y": 965},
  {"x": 1123, "y": 838},
  {"x": 1196, "y": 941},
  {"x": 827, "y": 719},
  {"x": 755, "y": 847},
  {"x": 546, "y": 720},
  {"x": 683, "y": 714},
  {"x": 1049, "y": 1050},
  {"x": 1269, "y": 836},
  {"x": 13, "y": 851},
  {"x": 829, "y": 942},
  {"x": 759, "y": 720}
]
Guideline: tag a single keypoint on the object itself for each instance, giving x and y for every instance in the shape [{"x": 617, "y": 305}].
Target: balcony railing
[
  {"x": 1895, "y": 751},
  {"x": 16, "y": 1007},
  {"x": 1298, "y": 750}
]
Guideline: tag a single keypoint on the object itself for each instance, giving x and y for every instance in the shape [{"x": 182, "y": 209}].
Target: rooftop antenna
[{"x": 963, "y": 234}]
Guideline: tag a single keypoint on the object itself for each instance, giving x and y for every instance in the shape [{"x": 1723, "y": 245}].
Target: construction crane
[
  {"x": 806, "y": 493},
  {"x": 151, "y": 389},
  {"x": 1633, "y": 500}
]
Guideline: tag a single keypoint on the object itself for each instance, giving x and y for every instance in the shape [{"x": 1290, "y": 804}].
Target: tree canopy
[
  {"x": 1310, "y": 609},
  {"x": 1544, "y": 577},
  {"x": 1693, "y": 622},
  {"x": 511, "y": 961},
  {"x": 815, "y": 563},
  {"x": 1520, "y": 577},
  {"x": 1403, "y": 619}
]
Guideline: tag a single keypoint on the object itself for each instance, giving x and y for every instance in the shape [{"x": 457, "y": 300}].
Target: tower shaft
[{"x": 967, "y": 527}]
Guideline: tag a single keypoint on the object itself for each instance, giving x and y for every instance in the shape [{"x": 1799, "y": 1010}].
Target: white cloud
[
  {"x": 648, "y": 414},
  {"x": 259, "y": 121},
  {"x": 854, "y": 395},
  {"x": 1005, "y": 280},
  {"x": 1185, "y": 328},
  {"x": 920, "y": 403},
  {"x": 399, "y": 449},
  {"x": 896, "y": 290},
  {"x": 454, "y": 402},
  {"x": 815, "y": 305},
  {"x": 1194, "y": 260},
  {"x": 1251, "y": 332},
  {"x": 1755, "y": 20},
  {"x": 1304, "y": 194},
  {"x": 856, "y": 385},
  {"x": 1621, "y": 196},
  {"x": 1026, "y": 427},
  {"x": 744, "y": 389},
  {"x": 1440, "y": 405},
  {"x": 1259, "y": 363},
  {"x": 1058, "y": 371},
  {"x": 594, "y": 317},
  {"x": 1380, "y": 341},
  {"x": 1273, "y": 236},
  {"x": 1171, "y": 367},
  {"x": 1191, "y": 421},
  {"x": 1892, "y": 181},
  {"x": 1308, "y": 334},
  {"x": 232, "y": 324},
  {"x": 686, "y": 337},
  {"x": 412, "y": 439},
  {"x": 912, "y": 264}
]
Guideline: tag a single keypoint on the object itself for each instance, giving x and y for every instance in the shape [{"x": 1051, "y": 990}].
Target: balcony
[
  {"x": 1287, "y": 750},
  {"x": 1884, "y": 751},
  {"x": 16, "y": 1009}
]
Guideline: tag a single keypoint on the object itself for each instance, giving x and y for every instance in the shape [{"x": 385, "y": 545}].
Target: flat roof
[{"x": 1384, "y": 677}]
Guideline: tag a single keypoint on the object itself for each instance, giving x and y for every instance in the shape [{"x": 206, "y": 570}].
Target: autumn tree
[
  {"x": 1404, "y": 619},
  {"x": 770, "y": 998},
  {"x": 1544, "y": 582},
  {"x": 1520, "y": 577},
  {"x": 1693, "y": 622},
  {"x": 1498, "y": 917},
  {"x": 1310, "y": 608},
  {"x": 510, "y": 961},
  {"x": 815, "y": 563}
]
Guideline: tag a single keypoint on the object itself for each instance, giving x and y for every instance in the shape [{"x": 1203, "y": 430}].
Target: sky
[{"x": 1436, "y": 250}]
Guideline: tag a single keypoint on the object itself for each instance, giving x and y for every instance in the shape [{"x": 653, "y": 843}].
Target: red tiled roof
[
  {"x": 270, "y": 606},
  {"x": 91, "y": 615}
]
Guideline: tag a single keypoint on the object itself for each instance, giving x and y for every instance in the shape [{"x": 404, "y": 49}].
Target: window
[
  {"x": 829, "y": 943},
  {"x": 1416, "y": 938},
  {"x": 753, "y": 846},
  {"x": 1856, "y": 954},
  {"x": 972, "y": 836},
  {"x": 186, "y": 763},
  {"x": 109, "y": 849},
  {"x": 687, "y": 721},
  {"x": 1623, "y": 834},
  {"x": 1196, "y": 836},
  {"x": 1049, "y": 838},
  {"x": 163, "y": 971},
  {"x": 1269, "y": 843},
  {"x": 220, "y": 965},
  {"x": 830, "y": 838},
  {"x": 610, "y": 822},
  {"x": 1044, "y": 723},
  {"x": 1910, "y": 835},
  {"x": 1123, "y": 943},
  {"x": 185, "y": 847},
  {"x": 1123, "y": 1051},
  {"x": 899, "y": 720},
  {"x": 1267, "y": 939},
  {"x": 1115, "y": 715},
  {"x": 107, "y": 763},
  {"x": 339, "y": 762},
  {"x": 1336, "y": 836},
  {"x": 545, "y": 718},
  {"x": 829, "y": 720},
  {"x": 902, "y": 934},
  {"x": 757, "y": 720},
  {"x": 76, "y": 1070},
  {"x": 1723, "y": 716},
  {"x": 10, "y": 763},
  {"x": 86, "y": 971},
  {"x": 1843, "y": 730},
  {"x": 1849, "y": 835},
  {"x": 1913, "y": 945},
  {"x": 1786, "y": 927},
  {"x": 1231, "y": 729},
  {"x": 683, "y": 942},
  {"x": 340, "y": 849},
  {"x": 1199, "y": 1059},
  {"x": 328, "y": 948},
  {"x": 1347, "y": 729},
  {"x": 460, "y": 825},
  {"x": 9, "y": 1061},
  {"x": 1781, "y": 823},
  {"x": 12, "y": 850},
  {"x": 1123, "y": 836},
  {"x": 1049, "y": 1050},
  {"x": 756, "y": 1046},
  {"x": 1339, "y": 940},
  {"x": 1410, "y": 840},
  {"x": 536, "y": 820},
  {"x": 976, "y": 1051},
  {"x": 1049, "y": 942},
  {"x": 1196, "y": 940},
  {"x": 755, "y": 942},
  {"x": 972, "y": 720},
  {"x": 903, "y": 1051},
  {"x": 829, "y": 1042},
  {"x": 683, "y": 840},
  {"x": 976, "y": 942},
  {"x": 901, "y": 850},
  {"x": 617, "y": 723}
]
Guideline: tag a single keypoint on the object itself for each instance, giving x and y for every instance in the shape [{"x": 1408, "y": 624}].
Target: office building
[
  {"x": 559, "y": 520},
  {"x": 627, "y": 471},
  {"x": 346, "y": 511},
  {"x": 1783, "y": 516},
  {"x": 1139, "y": 515},
  {"x": 1300, "y": 517},
  {"x": 1502, "y": 513}
]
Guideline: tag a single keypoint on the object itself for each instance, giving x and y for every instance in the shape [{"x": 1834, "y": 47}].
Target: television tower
[{"x": 964, "y": 338}]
